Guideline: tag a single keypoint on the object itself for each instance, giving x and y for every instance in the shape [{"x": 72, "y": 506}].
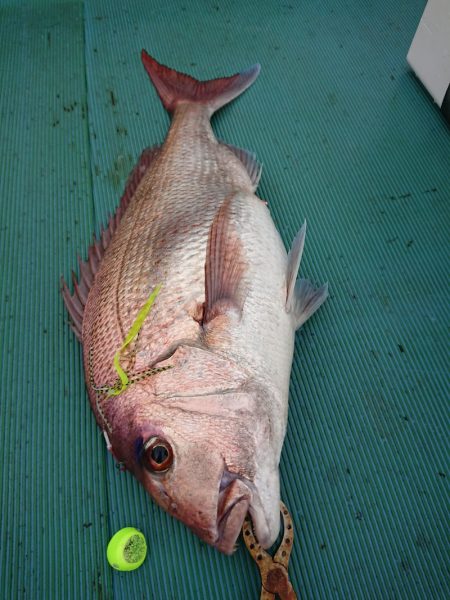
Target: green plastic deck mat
[{"x": 351, "y": 142}]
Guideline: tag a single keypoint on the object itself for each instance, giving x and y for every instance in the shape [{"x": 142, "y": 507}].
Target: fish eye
[{"x": 158, "y": 455}]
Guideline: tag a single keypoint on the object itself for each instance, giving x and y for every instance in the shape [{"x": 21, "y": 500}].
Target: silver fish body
[{"x": 202, "y": 421}]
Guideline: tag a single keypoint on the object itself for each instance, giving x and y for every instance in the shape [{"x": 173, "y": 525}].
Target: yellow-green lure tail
[{"x": 124, "y": 380}]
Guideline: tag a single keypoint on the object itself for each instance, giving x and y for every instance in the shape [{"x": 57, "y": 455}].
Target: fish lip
[
  {"x": 248, "y": 491},
  {"x": 233, "y": 504},
  {"x": 230, "y": 525}
]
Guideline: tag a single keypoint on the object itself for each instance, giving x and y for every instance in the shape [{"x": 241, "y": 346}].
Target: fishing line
[{"x": 124, "y": 380}]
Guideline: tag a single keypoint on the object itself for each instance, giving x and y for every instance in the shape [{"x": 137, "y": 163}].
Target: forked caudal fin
[{"x": 174, "y": 88}]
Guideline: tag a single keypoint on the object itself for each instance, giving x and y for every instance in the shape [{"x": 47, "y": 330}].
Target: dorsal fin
[{"x": 76, "y": 302}]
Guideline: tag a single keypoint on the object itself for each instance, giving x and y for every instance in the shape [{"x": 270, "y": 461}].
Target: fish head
[{"x": 202, "y": 449}]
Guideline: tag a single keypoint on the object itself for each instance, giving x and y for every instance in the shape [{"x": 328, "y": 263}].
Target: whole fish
[{"x": 192, "y": 393}]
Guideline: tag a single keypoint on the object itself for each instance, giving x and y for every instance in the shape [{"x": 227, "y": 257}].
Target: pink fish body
[{"x": 202, "y": 420}]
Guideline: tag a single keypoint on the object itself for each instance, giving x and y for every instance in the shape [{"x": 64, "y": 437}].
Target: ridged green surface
[{"x": 351, "y": 141}]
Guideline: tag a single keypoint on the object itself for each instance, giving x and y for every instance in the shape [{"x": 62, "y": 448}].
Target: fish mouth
[{"x": 234, "y": 502}]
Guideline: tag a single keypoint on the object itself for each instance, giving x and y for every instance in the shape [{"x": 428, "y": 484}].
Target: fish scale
[
  {"x": 177, "y": 240},
  {"x": 204, "y": 373}
]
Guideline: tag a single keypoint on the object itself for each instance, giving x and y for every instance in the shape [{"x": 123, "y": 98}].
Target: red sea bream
[{"x": 192, "y": 394}]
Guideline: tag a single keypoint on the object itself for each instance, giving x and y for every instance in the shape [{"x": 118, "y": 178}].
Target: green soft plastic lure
[
  {"x": 124, "y": 379},
  {"x": 132, "y": 334}
]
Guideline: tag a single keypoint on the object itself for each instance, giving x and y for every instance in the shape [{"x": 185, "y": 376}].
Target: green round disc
[{"x": 127, "y": 549}]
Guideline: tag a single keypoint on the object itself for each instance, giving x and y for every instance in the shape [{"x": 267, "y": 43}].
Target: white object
[{"x": 429, "y": 54}]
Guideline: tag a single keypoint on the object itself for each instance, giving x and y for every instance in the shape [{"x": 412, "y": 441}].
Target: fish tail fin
[{"x": 174, "y": 87}]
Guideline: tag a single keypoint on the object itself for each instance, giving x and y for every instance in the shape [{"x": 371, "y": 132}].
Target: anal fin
[
  {"x": 302, "y": 298},
  {"x": 250, "y": 162}
]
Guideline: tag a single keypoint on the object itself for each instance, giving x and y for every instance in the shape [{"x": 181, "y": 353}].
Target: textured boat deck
[{"x": 349, "y": 140}]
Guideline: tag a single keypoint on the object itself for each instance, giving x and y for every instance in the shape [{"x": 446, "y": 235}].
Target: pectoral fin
[
  {"x": 224, "y": 266},
  {"x": 302, "y": 299}
]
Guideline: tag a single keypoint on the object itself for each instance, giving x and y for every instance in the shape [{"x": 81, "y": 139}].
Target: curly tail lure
[{"x": 124, "y": 380}]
